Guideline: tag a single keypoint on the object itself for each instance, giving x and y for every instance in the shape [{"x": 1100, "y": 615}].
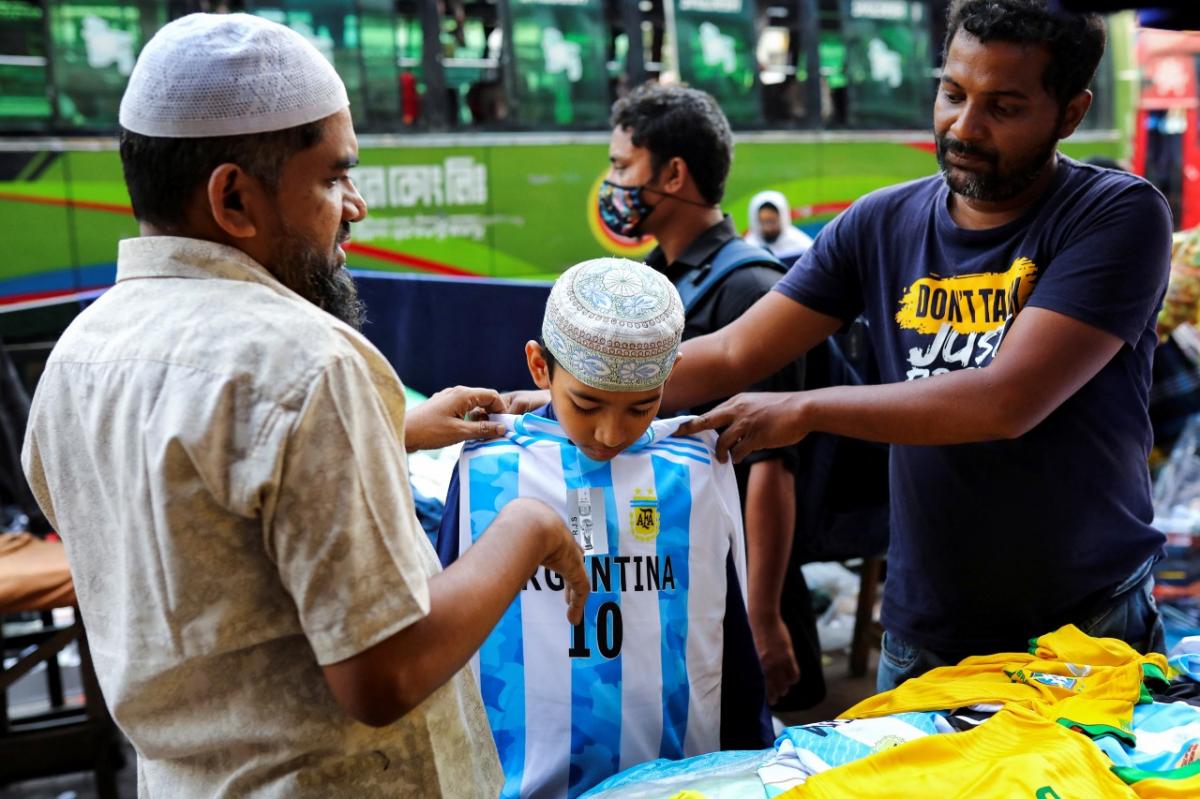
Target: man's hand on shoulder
[
  {"x": 753, "y": 421},
  {"x": 452, "y": 416}
]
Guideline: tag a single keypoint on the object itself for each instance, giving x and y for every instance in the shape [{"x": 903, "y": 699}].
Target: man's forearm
[
  {"x": 958, "y": 408},
  {"x": 466, "y": 601},
  {"x": 770, "y": 528},
  {"x": 774, "y": 332}
]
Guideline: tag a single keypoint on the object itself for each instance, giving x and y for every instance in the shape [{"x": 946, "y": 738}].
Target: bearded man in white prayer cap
[{"x": 223, "y": 454}]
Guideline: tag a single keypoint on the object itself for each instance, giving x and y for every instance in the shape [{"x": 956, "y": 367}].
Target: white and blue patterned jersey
[
  {"x": 1167, "y": 739},
  {"x": 641, "y": 677}
]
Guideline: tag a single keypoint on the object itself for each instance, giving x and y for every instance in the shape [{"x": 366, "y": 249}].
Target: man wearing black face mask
[{"x": 669, "y": 157}]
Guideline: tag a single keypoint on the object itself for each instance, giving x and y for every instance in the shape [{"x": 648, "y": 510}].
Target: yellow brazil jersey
[
  {"x": 1016, "y": 754},
  {"x": 1087, "y": 683}
]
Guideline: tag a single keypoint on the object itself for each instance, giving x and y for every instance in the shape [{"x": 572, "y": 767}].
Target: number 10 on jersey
[{"x": 609, "y": 633}]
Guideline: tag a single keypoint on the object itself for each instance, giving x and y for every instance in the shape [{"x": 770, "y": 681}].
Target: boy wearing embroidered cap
[
  {"x": 658, "y": 519},
  {"x": 223, "y": 454},
  {"x": 613, "y": 326}
]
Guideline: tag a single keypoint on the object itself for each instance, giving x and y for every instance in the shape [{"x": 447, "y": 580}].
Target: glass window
[
  {"x": 560, "y": 57},
  {"x": 94, "y": 46},
  {"x": 636, "y": 34},
  {"x": 783, "y": 61},
  {"x": 24, "y": 100},
  {"x": 384, "y": 85},
  {"x": 471, "y": 43},
  {"x": 715, "y": 42},
  {"x": 888, "y": 64},
  {"x": 409, "y": 49}
]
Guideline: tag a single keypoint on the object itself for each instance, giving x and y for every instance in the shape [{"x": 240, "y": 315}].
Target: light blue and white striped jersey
[
  {"x": 640, "y": 678},
  {"x": 1167, "y": 738}
]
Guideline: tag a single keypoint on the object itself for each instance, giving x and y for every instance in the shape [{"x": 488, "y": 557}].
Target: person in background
[
  {"x": 669, "y": 157},
  {"x": 771, "y": 227}
]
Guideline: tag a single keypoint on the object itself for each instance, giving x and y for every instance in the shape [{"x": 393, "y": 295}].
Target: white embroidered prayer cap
[
  {"x": 228, "y": 74},
  {"x": 614, "y": 324}
]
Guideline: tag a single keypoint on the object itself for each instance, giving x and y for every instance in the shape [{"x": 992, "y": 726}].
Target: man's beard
[
  {"x": 318, "y": 276},
  {"x": 994, "y": 185}
]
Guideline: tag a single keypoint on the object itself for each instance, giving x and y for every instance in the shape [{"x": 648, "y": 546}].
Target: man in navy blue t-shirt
[{"x": 1011, "y": 302}]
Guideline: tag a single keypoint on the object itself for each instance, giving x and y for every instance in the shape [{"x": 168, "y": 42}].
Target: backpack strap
[{"x": 697, "y": 283}]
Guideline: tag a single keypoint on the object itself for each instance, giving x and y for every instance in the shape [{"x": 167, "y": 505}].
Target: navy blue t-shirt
[{"x": 994, "y": 543}]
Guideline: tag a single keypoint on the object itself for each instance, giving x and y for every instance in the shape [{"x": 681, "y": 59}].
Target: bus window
[
  {"x": 888, "y": 63},
  {"x": 383, "y": 83},
  {"x": 24, "y": 103},
  {"x": 93, "y": 49},
  {"x": 782, "y": 54},
  {"x": 715, "y": 45},
  {"x": 560, "y": 58},
  {"x": 410, "y": 46},
  {"x": 831, "y": 59},
  {"x": 471, "y": 40},
  {"x": 636, "y": 35}
]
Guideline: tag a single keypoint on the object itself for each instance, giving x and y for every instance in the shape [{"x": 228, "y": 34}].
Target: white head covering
[
  {"x": 614, "y": 324},
  {"x": 228, "y": 74},
  {"x": 792, "y": 241}
]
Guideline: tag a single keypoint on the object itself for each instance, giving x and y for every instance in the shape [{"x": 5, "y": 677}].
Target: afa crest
[{"x": 643, "y": 515}]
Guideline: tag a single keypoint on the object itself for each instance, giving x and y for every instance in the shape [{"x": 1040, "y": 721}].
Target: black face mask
[{"x": 623, "y": 208}]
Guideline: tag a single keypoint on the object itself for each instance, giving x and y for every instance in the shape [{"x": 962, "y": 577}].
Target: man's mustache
[{"x": 949, "y": 145}]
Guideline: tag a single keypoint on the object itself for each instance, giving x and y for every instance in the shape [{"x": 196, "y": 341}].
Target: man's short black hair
[
  {"x": 767, "y": 206},
  {"x": 163, "y": 174},
  {"x": 675, "y": 121},
  {"x": 1075, "y": 41}
]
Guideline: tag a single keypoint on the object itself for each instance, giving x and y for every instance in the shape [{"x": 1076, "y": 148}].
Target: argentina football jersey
[{"x": 641, "y": 677}]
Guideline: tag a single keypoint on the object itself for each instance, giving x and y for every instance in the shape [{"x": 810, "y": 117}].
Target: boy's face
[{"x": 601, "y": 423}]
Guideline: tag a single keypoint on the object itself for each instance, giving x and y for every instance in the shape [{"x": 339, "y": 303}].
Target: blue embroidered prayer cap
[{"x": 614, "y": 324}]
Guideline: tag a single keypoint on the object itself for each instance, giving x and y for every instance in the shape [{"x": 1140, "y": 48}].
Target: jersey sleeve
[
  {"x": 1112, "y": 271},
  {"x": 343, "y": 532},
  {"x": 827, "y": 277}
]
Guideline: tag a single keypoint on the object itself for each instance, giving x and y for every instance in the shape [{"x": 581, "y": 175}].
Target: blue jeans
[{"x": 1132, "y": 616}]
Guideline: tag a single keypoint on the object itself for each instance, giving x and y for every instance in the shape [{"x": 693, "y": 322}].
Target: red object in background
[
  {"x": 1169, "y": 87},
  {"x": 410, "y": 99}
]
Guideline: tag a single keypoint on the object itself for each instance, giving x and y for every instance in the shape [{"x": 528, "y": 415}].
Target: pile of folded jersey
[{"x": 1074, "y": 716}]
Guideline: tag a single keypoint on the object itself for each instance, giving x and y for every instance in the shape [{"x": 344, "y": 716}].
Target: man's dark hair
[
  {"x": 163, "y": 174},
  {"x": 1075, "y": 41},
  {"x": 765, "y": 206},
  {"x": 675, "y": 121}
]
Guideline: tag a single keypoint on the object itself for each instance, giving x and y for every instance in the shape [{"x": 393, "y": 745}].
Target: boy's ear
[{"x": 539, "y": 370}]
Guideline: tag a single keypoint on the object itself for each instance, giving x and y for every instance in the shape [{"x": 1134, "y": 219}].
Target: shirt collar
[
  {"x": 178, "y": 257},
  {"x": 699, "y": 252}
]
